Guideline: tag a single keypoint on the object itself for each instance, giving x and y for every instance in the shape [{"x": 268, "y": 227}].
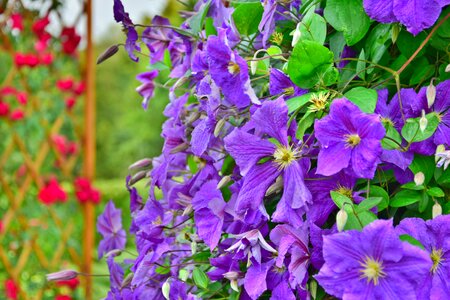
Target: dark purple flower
[
  {"x": 229, "y": 71},
  {"x": 225, "y": 267},
  {"x": 280, "y": 83},
  {"x": 434, "y": 235},
  {"x": 147, "y": 88},
  {"x": 157, "y": 38},
  {"x": 416, "y": 15},
  {"x": 349, "y": 139},
  {"x": 255, "y": 279},
  {"x": 132, "y": 36},
  {"x": 372, "y": 264},
  {"x": 109, "y": 224},
  {"x": 208, "y": 205},
  {"x": 285, "y": 159}
]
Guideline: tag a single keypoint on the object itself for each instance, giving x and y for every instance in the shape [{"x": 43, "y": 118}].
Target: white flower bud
[
  {"x": 437, "y": 210},
  {"x": 341, "y": 219},
  {"x": 423, "y": 122},
  {"x": 219, "y": 127},
  {"x": 165, "y": 289},
  {"x": 224, "y": 181},
  {"x": 62, "y": 275},
  {"x": 431, "y": 94},
  {"x": 447, "y": 68},
  {"x": 296, "y": 35},
  {"x": 253, "y": 66},
  {"x": 419, "y": 178},
  {"x": 193, "y": 247},
  {"x": 234, "y": 285}
]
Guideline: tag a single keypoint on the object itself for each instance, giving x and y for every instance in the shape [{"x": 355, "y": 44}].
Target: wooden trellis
[{"x": 36, "y": 239}]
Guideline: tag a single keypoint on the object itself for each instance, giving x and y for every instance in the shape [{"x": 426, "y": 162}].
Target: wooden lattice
[{"x": 36, "y": 239}]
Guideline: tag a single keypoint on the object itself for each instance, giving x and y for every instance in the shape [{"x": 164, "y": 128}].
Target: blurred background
[{"x": 125, "y": 133}]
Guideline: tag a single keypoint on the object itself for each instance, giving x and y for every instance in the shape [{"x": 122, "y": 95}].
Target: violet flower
[
  {"x": 434, "y": 235},
  {"x": 280, "y": 83},
  {"x": 132, "y": 36},
  {"x": 284, "y": 159},
  {"x": 147, "y": 88},
  {"x": 349, "y": 139},
  {"x": 109, "y": 224},
  {"x": 372, "y": 264}
]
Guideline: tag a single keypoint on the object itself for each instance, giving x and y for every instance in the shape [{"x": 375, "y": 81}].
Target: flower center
[
  {"x": 344, "y": 191},
  {"x": 284, "y": 156},
  {"x": 436, "y": 257},
  {"x": 277, "y": 38},
  {"x": 319, "y": 101},
  {"x": 352, "y": 140},
  {"x": 233, "y": 68},
  {"x": 387, "y": 121},
  {"x": 289, "y": 91},
  {"x": 372, "y": 270}
]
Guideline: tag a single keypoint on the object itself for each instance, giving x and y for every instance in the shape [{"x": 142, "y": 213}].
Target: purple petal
[
  {"x": 255, "y": 279},
  {"x": 416, "y": 15},
  {"x": 272, "y": 119}
]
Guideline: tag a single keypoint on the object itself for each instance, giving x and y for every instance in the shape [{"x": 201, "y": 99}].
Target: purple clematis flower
[
  {"x": 349, "y": 139},
  {"x": 435, "y": 237},
  {"x": 132, "y": 36},
  {"x": 416, "y": 15},
  {"x": 372, "y": 264},
  {"x": 109, "y": 224},
  {"x": 147, "y": 88},
  {"x": 248, "y": 149},
  {"x": 208, "y": 205},
  {"x": 292, "y": 242},
  {"x": 280, "y": 83},
  {"x": 229, "y": 71},
  {"x": 157, "y": 39}
]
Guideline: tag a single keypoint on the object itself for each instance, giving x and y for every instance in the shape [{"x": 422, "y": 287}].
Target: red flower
[
  {"x": 17, "y": 22},
  {"x": 11, "y": 289},
  {"x": 46, "y": 59},
  {"x": 22, "y": 98},
  {"x": 7, "y": 90},
  {"x": 63, "y": 146},
  {"x": 20, "y": 59},
  {"x": 71, "y": 283},
  {"x": 65, "y": 84},
  {"x": 40, "y": 25},
  {"x": 70, "y": 40},
  {"x": 52, "y": 193},
  {"x": 85, "y": 192},
  {"x": 4, "y": 109},
  {"x": 17, "y": 115},
  {"x": 63, "y": 297},
  {"x": 79, "y": 88},
  {"x": 70, "y": 102}
]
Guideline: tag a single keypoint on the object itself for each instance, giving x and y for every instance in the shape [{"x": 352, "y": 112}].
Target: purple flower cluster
[{"x": 255, "y": 184}]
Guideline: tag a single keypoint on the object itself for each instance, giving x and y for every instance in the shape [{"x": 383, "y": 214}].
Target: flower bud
[
  {"x": 141, "y": 164},
  {"x": 194, "y": 247},
  {"x": 431, "y": 94},
  {"x": 127, "y": 280},
  {"x": 180, "y": 148},
  {"x": 419, "y": 178},
  {"x": 192, "y": 117},
  {"x": 341, "y": 219},
  {"x": 62, "y": 275},
  {"x": 296, "y": 35},
  {"x": 395, "y": 32},
  {"x": 234, "y": 285},
  {"x": 232, "y": 276},
  {"x": 436, "y": 210},
  {"x": 423, "y": 122},
  {"x": 115, "y": 252},
  {"x": 439, "y": 149},
  {"x": 165, "y": 289},
  {"x": 224, "y": 181},
  {"x": 253, "y": 66},
  {"x": 137, "y": 177},
  {"x": 313, "y": 289},
  {"x": 219, "y": 127},
  {"x": 107, "y": 54},
  {"x": 447, "y": 68}
]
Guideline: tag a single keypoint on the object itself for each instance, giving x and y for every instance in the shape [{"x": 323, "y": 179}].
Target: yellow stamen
[
  {"x": 277, "y": 38},
  {"x": 284, "y": 156},
  {"x": 344, "y": 191},
  {"x": 352, "y": 140},
  {"x": 387, "y": 121},
  {"x": 436, "y": 257},
  {"x": 372, "y": 270},
  {"x": 233, "y": 68},
  {"x": 319, "y": 101},
  {"x": 289, "y": 91}
]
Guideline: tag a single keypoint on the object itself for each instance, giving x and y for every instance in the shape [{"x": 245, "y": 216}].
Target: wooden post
[{"x": 89, "y": 150}]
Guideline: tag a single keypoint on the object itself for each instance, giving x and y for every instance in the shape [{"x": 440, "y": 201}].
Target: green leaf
[
  {"x": 313, "y": 27},
  {"x": 349, "y": 17},
  {"x": 435, "y": 192},
  {"x": 311, "y": 63},
  {"x": 443, "y": 177},
  {"x": 340, "y": 200},
  {"x": 411, "y": 130},
  {"x": 274, "y": 50},
  {"x": 200, "y": 278},
  {"x": 305, "y": 122},
  {"x": 412, "y": 186},
  {"x": 364, "y": 98},
  {"x": 361, "y": 65},
  {"x": 377, "y": 191},
  {"x": 210, "y": 29},
  {"x": 411, "y": 240},
  {"x": 404, "y": 198},
  {"x": 247, "y": 16},
  {"x": 391, "y": 133},
  {"x": 368, "y": 203},
  {"x": 377, "y": 43},
  {"x": 196, "y": 21},
  {"x": 423, "y": 203},
  {"x": 297, "y": 102}
]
